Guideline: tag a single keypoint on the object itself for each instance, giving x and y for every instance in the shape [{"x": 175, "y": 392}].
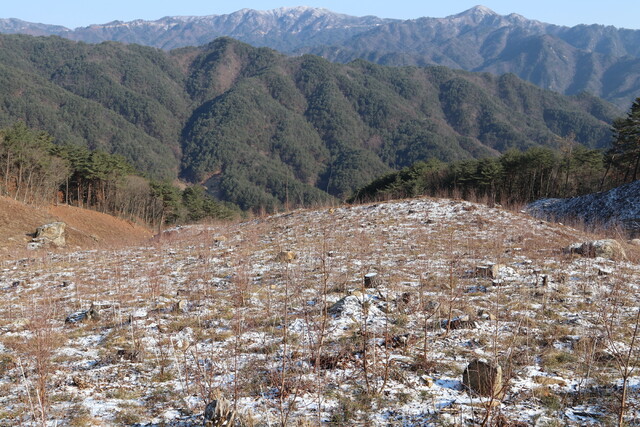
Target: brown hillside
[{"x": 85, "y": 228}]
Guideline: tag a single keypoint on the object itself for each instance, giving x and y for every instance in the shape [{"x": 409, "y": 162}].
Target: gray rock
[
  {"x": 82, "y": 316},
  {"x": 490, "y": 271},
  {"x": 49, "y": 234},
  {"x": 606, "y": 248},
  {"x": 483, "y": 378},
  {"x": 359, "y": 307},
  {"x": 218, "y": 413},
  {"x": 350, "y": 303},
  {"x": 77, "y": 317}
]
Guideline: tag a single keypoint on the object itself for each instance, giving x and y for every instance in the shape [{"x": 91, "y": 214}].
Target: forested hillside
[
  {"x": 601, "y": 60},
  {"x": 261, "y": 129},
  {"x": 514, "y": 178},
  {"x": 36, "y": 171},
  {"x": 518, "y": 177}
]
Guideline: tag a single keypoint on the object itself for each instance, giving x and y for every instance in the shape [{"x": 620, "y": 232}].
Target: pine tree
[{"x": 625, "y": 150}]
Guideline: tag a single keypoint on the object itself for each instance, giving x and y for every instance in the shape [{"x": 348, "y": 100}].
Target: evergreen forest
[
  {"x": 519, "y": 177},
  {"x": 37, "y": 171},
  {"x": 258, "y": 130}
]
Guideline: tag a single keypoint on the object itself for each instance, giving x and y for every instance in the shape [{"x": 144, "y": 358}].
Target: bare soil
[{"x": 86, "y": 229}]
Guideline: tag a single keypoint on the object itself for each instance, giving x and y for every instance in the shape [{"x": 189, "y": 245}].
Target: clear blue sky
[{"x": 75, "y": 13}]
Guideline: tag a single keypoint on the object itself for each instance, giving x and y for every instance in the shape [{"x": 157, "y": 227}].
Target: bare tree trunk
[
  {"x": 18, "y": 182},
  {"x": 6, "y": 172},
  {"x": 606, "y": 172},
  {"x": 635, "y": 169}
]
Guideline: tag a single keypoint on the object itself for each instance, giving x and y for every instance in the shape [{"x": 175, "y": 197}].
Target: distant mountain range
[
  {"x": 286, "y": 29},
  {"x": 604, "y": 61},
  {"x": 263, "y": 129}
]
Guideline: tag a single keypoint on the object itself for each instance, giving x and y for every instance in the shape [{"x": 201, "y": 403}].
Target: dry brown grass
[
  {"x": 242, "y": 303},
  {"x": 85, "y": 228}
]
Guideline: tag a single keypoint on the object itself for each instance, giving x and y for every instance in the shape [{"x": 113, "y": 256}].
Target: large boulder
[
  {"x": 606, "y": 248},
  {"x": 483, "y": 378},
  {"x": 51, "y": 234}
]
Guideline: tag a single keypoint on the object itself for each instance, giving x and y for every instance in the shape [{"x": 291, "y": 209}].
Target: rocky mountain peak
[
  {"x": 479, "y": 10},
  {"x": 297, "y": 11},
  {"x": 478, "y": 39},
  {"x": 477, "y": 13}
]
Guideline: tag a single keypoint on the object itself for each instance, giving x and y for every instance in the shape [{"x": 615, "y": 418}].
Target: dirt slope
[{"x": 85, "y": 228}]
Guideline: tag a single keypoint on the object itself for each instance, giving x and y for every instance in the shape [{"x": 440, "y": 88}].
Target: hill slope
[
  {"x": 604, "y": 61},
  {"x": 119, "y": 98},
  {"x": 85, "y": 229},
  {"x": 263, "y": 129},
  {"x": 617, "y": 207},
  {"x": 601, "y": 60},
  {"x": 226, "y": 310}
]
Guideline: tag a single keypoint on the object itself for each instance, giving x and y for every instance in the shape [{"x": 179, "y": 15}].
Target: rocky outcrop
[
  {"x": 348, "y": 304},
  {"x": 606, "y": 248},
  {"x": 491, "y": 271},
  {"x": 49, "y": 234}
]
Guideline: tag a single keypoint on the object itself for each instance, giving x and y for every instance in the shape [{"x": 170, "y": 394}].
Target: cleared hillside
[
  {"x": 618, "y": 207},
  {"x": 86, "y": 229},
  {"x": 346, "y": 316}
]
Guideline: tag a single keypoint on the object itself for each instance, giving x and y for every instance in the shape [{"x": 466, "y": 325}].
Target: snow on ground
[
  {"x": 274, "y": 314},
  {"x": 618, "y": 207}
]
